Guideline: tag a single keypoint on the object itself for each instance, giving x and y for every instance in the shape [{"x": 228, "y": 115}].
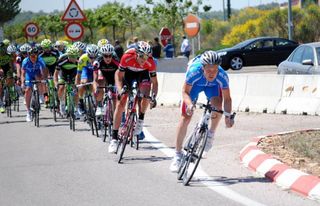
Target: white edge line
[{"x": 218, "y": 187}]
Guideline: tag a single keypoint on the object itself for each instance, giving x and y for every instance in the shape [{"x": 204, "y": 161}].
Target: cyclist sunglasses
[
  {"x": 92, "y": 57},
  {"x": 143, "y": 56},
  {"x": 107, "y": 55}
]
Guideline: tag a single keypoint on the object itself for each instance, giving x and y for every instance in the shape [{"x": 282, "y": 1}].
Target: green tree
[
  {"x": 91, "y": 22},
  {"x": 8, "y": 10},
  {"x": 307, "y": 30}
]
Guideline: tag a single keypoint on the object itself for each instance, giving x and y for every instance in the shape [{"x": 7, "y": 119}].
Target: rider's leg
[
  {"x": 182, "y": 127},
  {"x": 180, "y": 135},
  {"x": 99, "y": 92},
  {"x": 120, "y": 106}
]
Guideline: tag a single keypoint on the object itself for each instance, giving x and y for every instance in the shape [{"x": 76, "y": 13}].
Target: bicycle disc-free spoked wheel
[
  {"x": 124, "y": 137},
  {"x": 193, "y": 158}
]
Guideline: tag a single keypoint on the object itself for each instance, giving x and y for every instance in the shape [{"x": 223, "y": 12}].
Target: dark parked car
[
  {"x": 257, "y": 51},
  {"x": 305, "y": 59}
]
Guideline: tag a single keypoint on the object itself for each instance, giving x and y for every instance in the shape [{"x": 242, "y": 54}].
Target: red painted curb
[{"x": 303, "y": 184}]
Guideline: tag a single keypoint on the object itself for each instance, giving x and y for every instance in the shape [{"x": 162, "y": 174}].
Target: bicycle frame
[{"x": 195, "y": 144}]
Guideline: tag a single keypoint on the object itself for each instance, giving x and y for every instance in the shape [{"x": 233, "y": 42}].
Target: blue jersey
[
  {"x": 33, "y": 68},
  {"x": 195, "y": 76}
]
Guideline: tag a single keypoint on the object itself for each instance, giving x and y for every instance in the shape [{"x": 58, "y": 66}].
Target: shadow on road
[
  {"x": 14, "y": 121},
  {"x": 150, "y": 159},
  {"x": 225, "y": 181}
]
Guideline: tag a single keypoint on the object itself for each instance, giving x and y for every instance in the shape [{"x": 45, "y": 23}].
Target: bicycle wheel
[
  {"x": 7, "y": 101},
  {"x": 93, "y": 118},
  {"x": 36, "y": 108},
  {"x": 54, "y": 103},
  {"x": 186, "y": 156},
  {"x": 125, "y": 136},
  {"x": 195, "y": 157}
]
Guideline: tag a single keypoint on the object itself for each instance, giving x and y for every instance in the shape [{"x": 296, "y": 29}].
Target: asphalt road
[{"x": 52, "y": 165}]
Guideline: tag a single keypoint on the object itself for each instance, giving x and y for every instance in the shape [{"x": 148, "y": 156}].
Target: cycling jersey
[
  {"x": 134, "y": 71},
  {"x": 107, "y": 70},
  {"x": 68, "y": 69},
  {"x": 85, "y": 68},
  {"x": 50, "y": 58},
  {"x": 32, "y": 70},
  {"x": 129, "y": 62}
]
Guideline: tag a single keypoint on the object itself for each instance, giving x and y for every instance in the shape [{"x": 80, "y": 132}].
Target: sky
[{"x": 51, "y": 5}]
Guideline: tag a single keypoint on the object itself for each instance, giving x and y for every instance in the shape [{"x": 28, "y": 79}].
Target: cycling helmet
[
  {"x": 80, "y": 45},
  {"x": 92, "y": 50},
  {"x": 59, "y": 43},
  {"x": 102, "y": 42},
  {"x": 143, "y": 47},
  {"x": 25, "y": 48},
  {"x": 6, "y": 42},
  {"x": 210, "y": 57},
  {"x": 46, "y": 43},
  {"x": 72, "y": 51},
  {"x": 11, "y": 49},
  {"x": 107, "y": 49},
  {"x": 33, "y": 50}
]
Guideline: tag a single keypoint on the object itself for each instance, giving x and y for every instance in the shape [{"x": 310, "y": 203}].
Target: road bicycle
[
  {"x": 105, "y": 122},
  {"x": 70, "y": 104},
  {"x": 53, "y": 98},
  {"x": 89, "y": 108},
  {"x": 195, "y": 144},
  {"x": 11, "y": 96},
  {"x": 126, "y": 131},
  {"x": 35, "y": 103}
]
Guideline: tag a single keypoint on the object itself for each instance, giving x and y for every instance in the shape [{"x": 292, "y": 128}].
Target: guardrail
[{"x": 265, "y": 93}]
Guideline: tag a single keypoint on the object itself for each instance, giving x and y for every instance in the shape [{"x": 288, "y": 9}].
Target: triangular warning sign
[{"x": 73, "y": 12}]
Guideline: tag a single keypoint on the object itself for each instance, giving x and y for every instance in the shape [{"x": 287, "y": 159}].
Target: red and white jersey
[{"x": 129, "y": 61}]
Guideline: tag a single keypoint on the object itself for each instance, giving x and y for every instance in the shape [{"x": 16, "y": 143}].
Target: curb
[{"x": 287, "y": 178}]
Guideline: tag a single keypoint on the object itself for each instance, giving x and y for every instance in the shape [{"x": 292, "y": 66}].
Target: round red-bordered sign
[
  {"x": 31, "y": 29},
  {"x": 74, "y": 30}
]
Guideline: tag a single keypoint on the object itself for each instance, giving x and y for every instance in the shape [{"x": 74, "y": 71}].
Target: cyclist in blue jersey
[
  {"x": 32, "y": 69},
  {"x": 203, "y": 75}
]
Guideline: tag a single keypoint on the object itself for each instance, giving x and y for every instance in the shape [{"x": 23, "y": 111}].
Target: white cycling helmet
[
  {"x": 92, "y": 50},
  {"x": 25, "y": 48},
  {"x": 80, "y": 45},
  {"x": 210, "y": 57},
  {"x": 107, "y": 49},
  {"x": 11, "y": 49},
  {"x": 143, "y": 47}
]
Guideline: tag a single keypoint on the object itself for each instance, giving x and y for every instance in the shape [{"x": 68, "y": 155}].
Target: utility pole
[
  {"x": 229, "y": 9},
  {"x": 290, "y": 24},
  {"x": 224, "y": 10}
]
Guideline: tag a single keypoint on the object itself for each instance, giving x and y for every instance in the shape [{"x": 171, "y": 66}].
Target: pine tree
[{"x": 8, "y": 10}]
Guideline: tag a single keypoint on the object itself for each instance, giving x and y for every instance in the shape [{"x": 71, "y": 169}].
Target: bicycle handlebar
[
  {"x": 35, "y": 81},
  {"x": 213, "y": 109},
  {"x": 85, "y": 84}
]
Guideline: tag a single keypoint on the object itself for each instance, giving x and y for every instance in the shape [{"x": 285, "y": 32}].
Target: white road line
[{"x": 204, "y": 178}]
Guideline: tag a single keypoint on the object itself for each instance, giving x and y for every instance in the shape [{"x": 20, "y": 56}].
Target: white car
[{"x": 305, "y": 59}]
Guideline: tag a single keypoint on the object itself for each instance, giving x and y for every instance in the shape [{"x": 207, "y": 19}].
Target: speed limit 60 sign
[{"x": 31, "y": 29}]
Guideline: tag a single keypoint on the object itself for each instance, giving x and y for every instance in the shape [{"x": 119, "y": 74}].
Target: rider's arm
[
  {"x": 186, "y": 94},
  {"x": 118, "y": 77},
  {"x": 227, "y": 106},
  {"x": 23, "y": 72},
  {"x": 154, "y": 81}
]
